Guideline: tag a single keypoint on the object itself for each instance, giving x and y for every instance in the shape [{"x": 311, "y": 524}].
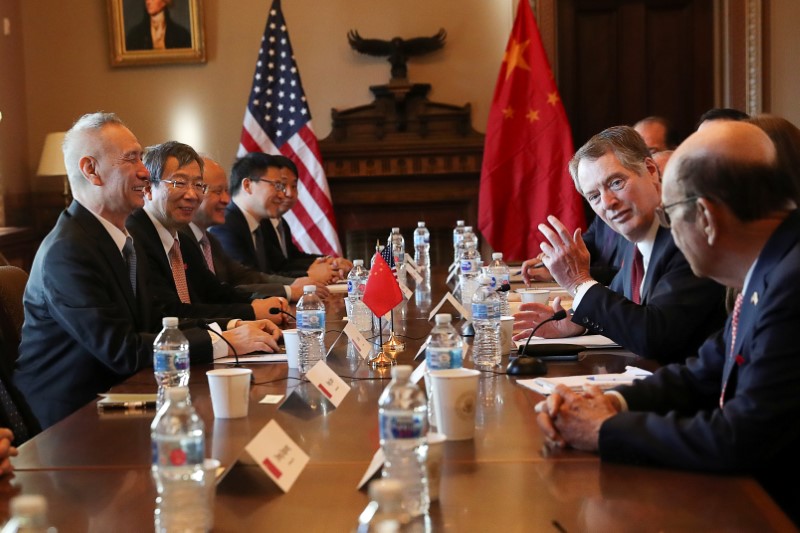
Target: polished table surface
[{"x": 94, "y": 468}]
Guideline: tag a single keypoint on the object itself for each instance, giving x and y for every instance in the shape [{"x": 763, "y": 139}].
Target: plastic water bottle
[
  {"x": 403, "y": 425},
  {"x": 310, "y": 328},
  {"x": 422, "y": 247},
  {"x": 468, "y": 272},
  {"x": 384, "y": 513},
  {"x": 443, "y": 352},
  {"x": 176, "y": 435},
  {"x": 458, "y": 234},
  {"x": 486, "y": 320},
  {"x": 470, "y": 236},
  {"x": 28, "y": 515},
  {"x": 499, "y": 274},
  {"x": 356, "y": 283},
  {"x": 170, "y": 358},
  {"x": 397, "y": 245}
]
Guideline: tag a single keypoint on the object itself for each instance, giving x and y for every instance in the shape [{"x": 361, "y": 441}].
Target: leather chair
[{"x": 12, "y": 287}]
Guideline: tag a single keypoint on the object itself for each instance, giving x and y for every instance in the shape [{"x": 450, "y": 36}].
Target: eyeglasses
[
  {"x": 662, "y": 211},
  {"x": 279, "y": 186},
  {"x": 199, "y": 187}
]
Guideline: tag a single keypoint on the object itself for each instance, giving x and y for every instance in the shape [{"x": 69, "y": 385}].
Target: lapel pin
[{"x": 754, "y": 298}]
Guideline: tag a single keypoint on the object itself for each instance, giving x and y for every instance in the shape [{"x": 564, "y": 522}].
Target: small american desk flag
[{"x": 277, "y": 121}]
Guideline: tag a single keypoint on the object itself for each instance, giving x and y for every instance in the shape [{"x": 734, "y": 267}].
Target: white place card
[
  {"x": 374, "y": 465},
  {"x": 277, "y": 455},
  {"x": 451, "y": 274},
  {"x": 362, "y": 345},
  {"x": 328, "y": 382},
  {"x": 422, "y": 348},
  {"x": 416, "y": 275},
  {"x": 271, "y": 398},
  {"x": 418, "y": 373},
  {"x": 407, "y": 293},
  {"x": 449, "y": 297},
  {"x": 410, "y": 261}
]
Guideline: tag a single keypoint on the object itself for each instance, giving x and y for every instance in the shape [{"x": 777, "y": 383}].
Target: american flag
[
  {"x": 388, "y": 256},
  {"x": 277, "y": 121}
]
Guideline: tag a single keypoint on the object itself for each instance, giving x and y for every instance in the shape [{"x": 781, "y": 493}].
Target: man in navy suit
[
  {"x": 259, "y": 195},
  {"x": 655, "y": 307},
  {"x": 734, "y": 407},
  {"x": 90, "y": 321}
]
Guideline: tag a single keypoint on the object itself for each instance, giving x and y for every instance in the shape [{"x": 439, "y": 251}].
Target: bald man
[{"x": 733, "y": 408}]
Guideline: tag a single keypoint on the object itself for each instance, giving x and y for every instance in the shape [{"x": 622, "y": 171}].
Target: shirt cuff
[
  {"x": 288, "y": 290},
  {"x": 623, "y": 405},
  {"x": 232, "y": 323},
  {"x": 219, "y": 347},
  {"x": 581, "y": 291}
]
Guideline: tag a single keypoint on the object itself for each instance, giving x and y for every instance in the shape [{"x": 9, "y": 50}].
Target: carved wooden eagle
[{"x": 398, "y": 49}]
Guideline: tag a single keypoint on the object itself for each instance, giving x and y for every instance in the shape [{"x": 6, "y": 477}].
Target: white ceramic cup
[
  {"x": 433, "y": 464},
  {"x": 230, "y": 391},
  {"x": 292, "y": 343},
  {"x": 455, "y": 393},
  {"x": 539, "y": 296},
  {"x": 506, "y": 334}
]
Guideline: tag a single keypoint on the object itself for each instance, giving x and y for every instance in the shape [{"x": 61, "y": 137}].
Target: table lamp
[{"x": 52, "y": 162}]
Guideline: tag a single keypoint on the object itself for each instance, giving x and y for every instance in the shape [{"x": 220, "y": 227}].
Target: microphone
[
  {"x": 505, "y": 287},
  {"x": 278, "y": 310},
  {"x": 205, "y": 326},
  {"x": 558, "y": 315}
]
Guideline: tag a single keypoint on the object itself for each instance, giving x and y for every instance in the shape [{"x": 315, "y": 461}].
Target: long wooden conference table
[{"x": 94, "y": 469}]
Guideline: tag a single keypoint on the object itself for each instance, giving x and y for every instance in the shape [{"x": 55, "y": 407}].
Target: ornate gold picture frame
[{"x": 152, "y": 32}]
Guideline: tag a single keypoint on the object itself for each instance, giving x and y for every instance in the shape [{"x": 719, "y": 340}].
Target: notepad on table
[
  {"x": 545, "y": 386},
  {"x": 253, "y": 358}
]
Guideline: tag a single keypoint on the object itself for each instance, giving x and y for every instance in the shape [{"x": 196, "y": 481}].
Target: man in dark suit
[
  {"x": 90, "y": 321},
  {"x": 177, "y": 267},
  {"x": 157, "y": 30},
  {"x": 258, "y": 196},
  {"x": 655, "y": 307},
  {"x": 731, "y": 409},
  {"x": 211, "y": 213}
]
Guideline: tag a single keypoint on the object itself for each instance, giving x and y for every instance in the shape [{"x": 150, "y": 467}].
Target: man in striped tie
[
  {"x": 655, "y": 307},
  {"x": 733, "y": 408}
]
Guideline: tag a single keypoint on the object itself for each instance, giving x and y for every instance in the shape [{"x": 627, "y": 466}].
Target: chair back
[{"x": 12, "y": 287}]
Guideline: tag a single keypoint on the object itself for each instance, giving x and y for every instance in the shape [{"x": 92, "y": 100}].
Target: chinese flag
[
  {"x": 528, "y": 147},
  {"x": 382, "y": 292}
]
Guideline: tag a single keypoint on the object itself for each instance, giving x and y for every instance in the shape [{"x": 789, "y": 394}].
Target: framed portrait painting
[{"x": 150, "y": 32}]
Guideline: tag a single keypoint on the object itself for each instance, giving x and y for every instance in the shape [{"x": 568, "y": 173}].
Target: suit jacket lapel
[
  {"x": 660, "y": 246},
  {"x": 239, "y": 219}
]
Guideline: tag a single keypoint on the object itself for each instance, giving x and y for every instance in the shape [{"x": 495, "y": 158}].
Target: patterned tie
[
  {"x": 637, "y": 274},
  {"x": 206, "y": 247},
  {"x": 129, "y": 253},
  {"x": 14, "y": 417},
  {"x": 737, "y": 309},
  {"x": 179, "y": 272},
  {"x": 261, "y": 252}
]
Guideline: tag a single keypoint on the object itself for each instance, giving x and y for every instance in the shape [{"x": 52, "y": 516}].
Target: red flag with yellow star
[{"x": 527, "y": 149}]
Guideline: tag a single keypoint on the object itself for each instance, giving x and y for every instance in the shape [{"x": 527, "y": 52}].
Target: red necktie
[
  {"x": 737, "y": 309},
  {"x": 178, "y": 272},
  {"x": 205, "y": 246},
  {"x": 637, "y": 274}
]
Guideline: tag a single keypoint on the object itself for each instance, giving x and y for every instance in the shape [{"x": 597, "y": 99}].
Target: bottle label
[
  {"x": 401, "y": 425},
  {"x": 498, "y": 281},
  {"x": 168, "y": 361},
  {"x": 443, "y": 358},
  {"x": 178, "y": 453},
  {"x": 421, "y": 240},
  {"x": 351, "y": 285},
  {"x": 486, "y": 311},
  {"x": 311, "y": 319},
  {"x": 467, "y": 265}
]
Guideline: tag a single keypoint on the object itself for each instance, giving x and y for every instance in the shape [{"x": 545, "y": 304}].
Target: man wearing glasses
[
  {"x": 178, "y": 269},
  {"x": 211, "y": 213},
  {"x": 655, "y": 307},
  {"x": 258, "y": 196}
]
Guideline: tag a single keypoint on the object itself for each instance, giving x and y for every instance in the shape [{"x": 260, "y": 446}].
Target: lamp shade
[{"x": 52, "y": 160}]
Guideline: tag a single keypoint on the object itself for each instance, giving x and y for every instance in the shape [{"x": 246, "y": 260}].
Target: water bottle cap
[
  {"x": 459, "y": 222},
  {"x": 309, "y": 288},
  {"x": 385, "y": 489},
  {"x": 420, "y": 224},
  {"x": 358, "y": 262},
  {"x": 169, "y": 322},
  {"x": 177, "y": 394},
  {"x": 498, "y": 256},
  {"x": 401, "y": 371},
  {"x": 28, "y": 505},
  {"x": 467, "y": 228},
  {"x": 443, "y": 318}
]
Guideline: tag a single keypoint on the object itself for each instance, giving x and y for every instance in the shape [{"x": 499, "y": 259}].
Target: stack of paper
[
  {"x": 605, "y": 381},
  {"x": 588, "y": 341}
]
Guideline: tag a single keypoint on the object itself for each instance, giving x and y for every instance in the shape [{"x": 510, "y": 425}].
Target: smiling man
[
  {"x": 178, "y": 268},
  {"x": 655, "y": 307}
]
